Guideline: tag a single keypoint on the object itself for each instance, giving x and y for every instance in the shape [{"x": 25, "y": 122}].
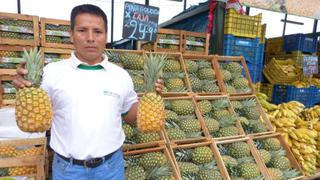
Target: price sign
[
  {"x": 140, "y": 22},
  {"x": 310, "y": 65}
]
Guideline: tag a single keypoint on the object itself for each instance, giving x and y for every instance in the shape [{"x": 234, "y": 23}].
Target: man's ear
[{"x": 71, "y": 35}]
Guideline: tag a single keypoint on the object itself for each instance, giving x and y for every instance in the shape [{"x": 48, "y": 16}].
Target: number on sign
[{"x": 134, "y": 24}]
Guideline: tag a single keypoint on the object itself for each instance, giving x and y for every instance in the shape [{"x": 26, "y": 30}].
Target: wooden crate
[
  {"x": 197, "y": 116},
  {"x": 231, "y": 111},
  {"x": 189, "y": 46},
  {"x": 11, "y": 28},
  {"x": 37, "y": 160},
  {"x": 254, "y": 154},
  {"x": 197, "y": 58},
  {"x": 238, "y": 59},
  {"x": 263, "y": 115},
  {"x": 5, "y": 102},
  {"x": 193, "y": 144},
  {"x": 178, "y": 57},
  {"x": 44, "y": 32},
  {"x": 56, "y": 51},
  {"x": 155, "y": 148},
  {"x": 293, "y": 161}
]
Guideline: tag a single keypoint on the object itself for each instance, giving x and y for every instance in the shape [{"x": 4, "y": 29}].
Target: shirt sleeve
[{"x": 130, "y": 98}]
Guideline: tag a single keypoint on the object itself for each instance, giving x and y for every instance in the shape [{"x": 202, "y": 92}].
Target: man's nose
[{"x": 90, "y": 36}]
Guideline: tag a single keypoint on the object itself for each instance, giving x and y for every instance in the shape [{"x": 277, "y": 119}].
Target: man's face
[{"x": 89, "y": 37}]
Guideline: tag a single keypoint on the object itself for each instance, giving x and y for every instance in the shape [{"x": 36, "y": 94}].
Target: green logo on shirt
[{"x": 109, "y": 93}]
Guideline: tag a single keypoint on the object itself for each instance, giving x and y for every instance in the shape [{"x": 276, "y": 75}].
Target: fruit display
[
  {"x": 149, "y": 164},
  {"x": 202, "y": 75},
  {"x": 251, "y": 116},
  {"x": 219, "y": 118},
  {"x": 54, "y": 55},
  {"x": 239, "y": 159},
  {"x": 10, "y": 57},
  {"x": 33, "y": 106},
  {"x": 182, "y": 121},
  {"x": 9, "y": 92},
  {"x": 235, "y": 76},
  {"x": 169, "y": 41},
  {"x": 19, "y": 29},
  {"x": 280, "y": 163},
  {"x": 55, "y": 33},
  {"x": 197, "y": 161},
  {"x": 151, "y": 114}
]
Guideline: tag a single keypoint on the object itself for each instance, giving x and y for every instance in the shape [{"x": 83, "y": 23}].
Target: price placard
[
  {"x": 140, "y": 22},
  {"x": 310, "y": 65}
]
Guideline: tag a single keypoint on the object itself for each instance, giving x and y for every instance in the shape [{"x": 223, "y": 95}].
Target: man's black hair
[{"x": 90, "y": 9}]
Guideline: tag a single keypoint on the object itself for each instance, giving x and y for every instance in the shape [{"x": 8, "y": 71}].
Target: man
[{"x": 89, "y": 97}]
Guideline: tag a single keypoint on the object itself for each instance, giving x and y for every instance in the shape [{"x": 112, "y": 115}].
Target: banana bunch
[
  {"x": 265, "y": 104},
  {"x": 311, "y": 114},
  {"x": 301, "y": 84},
  {"x": 304, "y": 147}
]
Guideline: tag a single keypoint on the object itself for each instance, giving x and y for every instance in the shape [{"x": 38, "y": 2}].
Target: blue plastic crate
[
  {"x": 316, "y": 95},
  {"x": 286, "y": 93},
  {"x": 300, "y": 42},
  {"x": 255, "y": 71},
  {"x": 238, "y": 46}
]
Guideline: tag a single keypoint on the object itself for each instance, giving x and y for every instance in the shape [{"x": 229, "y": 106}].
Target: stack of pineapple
[
  {"x": 181, "y": 120},
  {"x": 197, "y": 163},
  {"x": 275, "y": 158},
  {"x": 54, "y": 57},
  {"x": 19, "y": 152},
  {"x": 134, "y": 136},
  {"x": 249, "y": 115},
  {"x": 219, "y": 119},
  {"x": 133, "y": 63},
  {"x": 10, "y": 59},
  {"x": 232, "y": 75},
  {"x": 202, "y": 76},
  {"x": 16, "y": 29},
  {"x": 174, "y": 75},
  {"x": 58, "y": 33},
  {"x": 195, "y": 44},
  {"x": 9, "y": 92},
  {"x": 168, "y": 41},
  {"x": 239, "y": 161},
  {"x": 148, "y": 166}
]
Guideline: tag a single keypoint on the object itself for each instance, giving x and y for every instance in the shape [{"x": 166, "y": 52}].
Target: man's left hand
[{"x": 159, "y": 85}]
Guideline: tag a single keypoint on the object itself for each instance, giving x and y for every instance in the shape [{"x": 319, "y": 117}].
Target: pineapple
[
  {"x": 128, "y": 131},
  {"x": 275, "y": 173},
  {"x": 191, "y": 66},
  {"x": 204, "y": 106},
  {"x": 188, "y": 167},
  {"x": 135, "y": 173},
  {"x": 151, "y": 114},
  {"x": 175, "y": 134},
  {"x": 134, "y": 61},
  {"x": 171, "y": 115},
  {"x": 22, "y": 170},
  {"x": 195, "y": 83},
  {"x": 147, "y": 137},
  {"x": 33, "y": 105},
  {"x": 202, "y": 155},
  {"x": 206, "y": 74},
  {"x": 281, "y": 162},
  {"x": 233, "y": 67},
  {"x": 53, "y": 39},
  {"x": 8, "y": 151},
  {"x": 33, "y": 151},
  {"x": 241, "y": 84},
  {"x": 190, "y": 127},
  {"x": 271, "y": 144},
  {"x": 239, "y": 150},
  {"x": 212, "y": 125},
  {"x": 229, "y": 161},
  {"x": 226, "y": 75},
  {"x": 228, "y": 131},
  {"x": 209, "y": 86},
  {"x": 237, "y": 105},
  {"x": 265, "y": 155},
  {"x": 230, "y": 89},
  {"x": 182, "y": 107},
  {"x": 172, "y": 65},
  {"x": 153, "y": 160},
  {"x": 208, "y": 174},
  {"x": 249, "y": 170},
  {"x": 175, "y": 84}
]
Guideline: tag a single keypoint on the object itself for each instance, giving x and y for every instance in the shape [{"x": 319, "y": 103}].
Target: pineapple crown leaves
[
  {"x": 170, "y": 75},
  {"x": 168, "y": 105},
  {"x": 184, "y": 155},
  {"x": 153, "y": 70},
  {"x": 248, "y": 159},
  {"x": 226, "y": 121},
  {"x": 193, "y": 134},
  {"x": 278, "y": 153},
  {"x": 34, "y": 65},
  {"x": 171, "y": 124},
  {"x": 182, "y": 89},
  {"x": 258, "y": 178},
  {"x": 190, "y": 176},
  {"x": 186, "y": 117},
  {"x": 251, "y": 102},
  {"x": 259, "y": 144},
  {"x": 220, "y": 103},
  {"x": 158, "y": 172},
  {"x": 222, "y": 149},
  {"x": 210, "y": 166},
  {"x": 113, "y": 56},
  {"x": 204, "y": 64},
  {"x": 132, "y": 160},
  {"x": 135, "y": 72},
  {"x": 290, "y": 173}
]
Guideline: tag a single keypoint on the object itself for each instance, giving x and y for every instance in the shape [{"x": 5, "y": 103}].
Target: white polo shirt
[{"x": 87, "y": 107}]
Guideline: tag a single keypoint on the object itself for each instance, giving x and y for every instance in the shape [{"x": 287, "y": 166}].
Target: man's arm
[{"x": 131, "y": 116}]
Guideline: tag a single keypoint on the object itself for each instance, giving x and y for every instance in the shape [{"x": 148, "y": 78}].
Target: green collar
[{"x": 86, "y": 67}]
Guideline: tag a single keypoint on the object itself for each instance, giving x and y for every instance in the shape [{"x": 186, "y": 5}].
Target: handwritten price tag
[
  {"x": 310, "y": 65},
  {"x": 140, "y": 22}
]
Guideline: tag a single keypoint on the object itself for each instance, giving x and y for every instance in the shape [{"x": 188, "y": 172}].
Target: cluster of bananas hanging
[
  {"x": 296, "y": 124},
  {"x": 268, "y": 107}
]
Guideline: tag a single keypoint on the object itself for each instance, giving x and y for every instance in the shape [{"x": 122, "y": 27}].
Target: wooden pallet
[
  {"x": 45, "y": 50},
  {"x": 205, "y": 44},
  {"x": 36, "y": 160},
  {"x": 35, "y": 31},
  {"x": 5, "y": 102},
  {"x": 293, "y": 161},
  {"x": 178, "y": 57},
  {"x": 262, "y": 113},
  {"x": 44, "y": 43},
  {"x": 155, "y": 148},
  {"x": 238, "y": 124},
  {"x": 238, "y": 59},
  {"x": 189, "y": 57},
  {"x": 193, "y": 144},
  {"x": 254, "y": 154},
  {"x": 197, "y": 115}
]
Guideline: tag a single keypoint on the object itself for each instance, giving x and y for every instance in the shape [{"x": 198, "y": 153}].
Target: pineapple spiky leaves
[
  {"x": 33, "y": 105},
  {"x": 151, "y": 114}
]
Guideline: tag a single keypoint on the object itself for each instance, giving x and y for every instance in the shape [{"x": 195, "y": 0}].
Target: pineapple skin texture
[
  {"x": 33, "y": 110},
  {"x": 151, "y": 113}
]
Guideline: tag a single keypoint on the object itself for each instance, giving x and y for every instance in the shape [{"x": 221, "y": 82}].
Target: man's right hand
[{"x": 19, "y": 82}]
